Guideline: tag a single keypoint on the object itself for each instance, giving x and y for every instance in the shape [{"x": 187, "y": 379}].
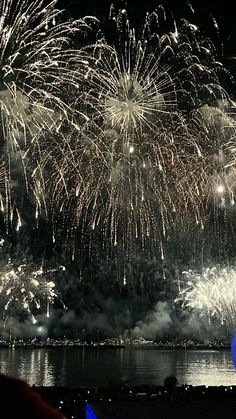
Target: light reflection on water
[
  {"x": 213, "y": 368},
  {"x": 80, "y": 367}
]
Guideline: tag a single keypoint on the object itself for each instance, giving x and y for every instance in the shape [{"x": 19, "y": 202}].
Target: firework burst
[
  {"x": 131, "y": 92},
  {"x": 142, "y": 164},
  {"x": 118, "y": 140},
  {"x": 24, "y": 288},
  {"x": 211, "y": 292},
  {"x": 36, "y": 68},
  {"x": 213, "y": 130},
  {"x": 37, "y": 81}
]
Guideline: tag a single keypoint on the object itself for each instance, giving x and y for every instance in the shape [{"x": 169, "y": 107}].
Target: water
[{"x": 86, "y": 367}]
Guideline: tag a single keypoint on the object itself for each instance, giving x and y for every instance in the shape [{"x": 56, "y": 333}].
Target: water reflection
[
  {"x": 214, "y": 368},
  {"x": 79, "y": 367},
  {"x": 31, "y": 365}
]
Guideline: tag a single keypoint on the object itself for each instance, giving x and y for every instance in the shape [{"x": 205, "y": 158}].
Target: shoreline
[{"x": 101, "y": 347}]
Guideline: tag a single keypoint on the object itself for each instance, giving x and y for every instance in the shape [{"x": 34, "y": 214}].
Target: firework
[
  {"x": 37, "y": 81},
  {"x": 142, "y": 164},
  {"x": 130, "y": 91},
  {"x": 125, "y": 140},
  {"x": 213, "y": 130},
  {"x": 24, "y": 287},
  {"x": 211, "y": 292},
  {"x": 36, "y": 69}
]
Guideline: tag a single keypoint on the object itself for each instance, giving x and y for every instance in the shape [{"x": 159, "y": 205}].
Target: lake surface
[{"x": 74, "y": 367}]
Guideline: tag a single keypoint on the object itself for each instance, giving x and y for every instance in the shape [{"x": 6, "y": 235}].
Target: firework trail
[
  {"x": 26, "y": 287},
  {"x": 142, "y": 164},
  {"x": 211, "y": 292},
  {"x": 216, "y": 133},
  {"x": 36, "y": 69},
  {"x": 37, "y": 78}
]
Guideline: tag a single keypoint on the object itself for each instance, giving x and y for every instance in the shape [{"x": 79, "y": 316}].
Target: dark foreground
[{"x": 146, "y": 402}]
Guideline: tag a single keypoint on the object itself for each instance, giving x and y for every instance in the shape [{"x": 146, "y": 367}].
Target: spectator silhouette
[
  {"x": 19, "y": 400},
  {"x": 170, "y": 384}
]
